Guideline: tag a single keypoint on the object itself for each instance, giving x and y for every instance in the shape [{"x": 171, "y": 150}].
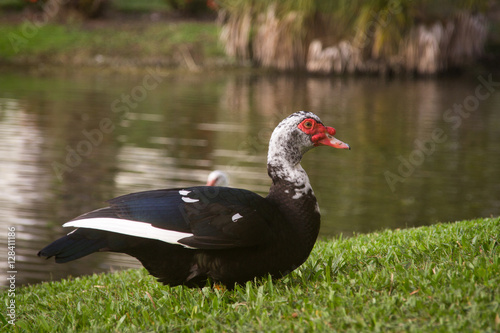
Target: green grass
[
  {"x": 442, "y": 278},
  {"x": 132, "y": 42}
]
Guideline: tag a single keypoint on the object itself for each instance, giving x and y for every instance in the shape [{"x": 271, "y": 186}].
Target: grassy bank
[
  {"x": 442, "y": 278},
  {"x": 113, "y": 43}
]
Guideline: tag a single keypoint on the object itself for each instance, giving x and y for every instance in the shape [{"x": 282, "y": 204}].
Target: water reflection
[{"x": 65, "y": 150}]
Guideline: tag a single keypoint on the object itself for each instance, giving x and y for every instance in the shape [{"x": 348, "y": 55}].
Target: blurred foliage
[
  {"x": 193, "y": 7},
  {"x": 85, "y": 8},
  {"x": 358, "y": 15},
  {"x": 140, "y": 6},
  {"x": 374, "y": 27},
  {"x": 96, "y": 8}
]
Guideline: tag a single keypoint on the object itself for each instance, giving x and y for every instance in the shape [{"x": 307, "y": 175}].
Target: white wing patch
[
  {"x": 131, "y": 228},
  {"x": 187, "y": 199},
  {"x": 236, "y": 217}
]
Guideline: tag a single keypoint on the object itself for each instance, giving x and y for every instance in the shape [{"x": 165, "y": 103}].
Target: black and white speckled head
[
  {"x": 292, "y": 138},
  {"x": 288, "y": 142}
]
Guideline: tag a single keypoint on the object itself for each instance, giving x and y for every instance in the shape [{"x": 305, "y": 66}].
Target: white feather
[
  {"x": 236, "y": 217},
  {"x": 189, "y": 200},
  {"x": 131, "y": 228}
]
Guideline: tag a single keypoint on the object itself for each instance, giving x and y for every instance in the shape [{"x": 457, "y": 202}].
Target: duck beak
[
  {"x": 333, "y": 142},
  {"x": 327, "y": 139}
]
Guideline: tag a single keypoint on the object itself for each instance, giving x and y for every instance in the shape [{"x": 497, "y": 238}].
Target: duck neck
[
  {"x": 292, "y": 194},
  {"x": 283, "y": 159},
  {"x": 290, "y": 176},
  {"x": 283, "y": 165}
]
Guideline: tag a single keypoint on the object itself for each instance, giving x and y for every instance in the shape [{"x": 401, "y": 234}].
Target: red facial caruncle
[{"x": 321, "y": 134}]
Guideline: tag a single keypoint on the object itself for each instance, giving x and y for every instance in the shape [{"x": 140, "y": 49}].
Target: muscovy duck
[
  {"x": 224, "y": 235},
  {"x": 217, "y": 178}
]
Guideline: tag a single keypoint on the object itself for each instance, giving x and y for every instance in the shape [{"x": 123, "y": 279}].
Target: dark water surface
[{"x": 423, "y": 151}]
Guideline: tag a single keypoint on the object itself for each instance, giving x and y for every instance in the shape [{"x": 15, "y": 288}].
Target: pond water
[{"x": 423, "y": 150}]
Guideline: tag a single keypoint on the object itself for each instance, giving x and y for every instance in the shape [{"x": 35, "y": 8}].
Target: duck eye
[{"x": 308, "y": 124}]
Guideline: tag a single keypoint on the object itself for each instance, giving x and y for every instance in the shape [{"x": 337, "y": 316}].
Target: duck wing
[{"x": 202, "y": 217}]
